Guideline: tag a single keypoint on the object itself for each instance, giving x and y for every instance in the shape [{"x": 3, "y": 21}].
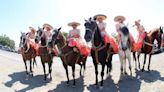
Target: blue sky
[{"x": 18, "y": 15}]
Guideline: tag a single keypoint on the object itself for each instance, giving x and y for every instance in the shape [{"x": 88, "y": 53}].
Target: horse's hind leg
[
  {"x": 50, "y": 68},
  {"x": 84, "y": 66},
  {"x": 134, "y": 58},
  {"x": 81, "y": 66},
  {"x": 34, "y": 62},
  {"x": 149, "y": 62},
  {"x": 138, "y": 58},
  {"x": 96, "y": 72},
  {"x": 73, "y": 74},
  {"x": 144, "y": 62},
  {"x": 44, "y": 70}
]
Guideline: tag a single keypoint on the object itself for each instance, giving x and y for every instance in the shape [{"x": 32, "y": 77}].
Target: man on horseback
[{"x": 75, "y": 41}]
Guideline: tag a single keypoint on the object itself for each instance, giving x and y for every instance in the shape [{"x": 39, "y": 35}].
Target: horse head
[
  {"x": 38, "y": 35},
  {"x": 56, "y": 36},
  {"x": 92, "y": 32},
  {"x": 22, "y": 39},
  {"x": 124, "y": 34},
  {"x": 158, "y": 37}
]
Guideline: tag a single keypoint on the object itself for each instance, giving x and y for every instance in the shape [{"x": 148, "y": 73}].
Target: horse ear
[
  {"x": 59, "y": 28},
  {"x": 90, "y": 18},
  {"x": 85, "y": 20}
]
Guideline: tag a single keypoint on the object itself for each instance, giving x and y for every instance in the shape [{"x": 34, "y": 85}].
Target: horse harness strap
[{"x": 97, "y": 49}]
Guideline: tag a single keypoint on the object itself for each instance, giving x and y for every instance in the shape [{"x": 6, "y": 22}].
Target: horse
[
  {"x": 99, "y": 51},
  {"x": 45, "y": 56},
  {"x": 124, "y": 50},
  {"x": 29, "y": 55},
  {"x": 148, "y": 45},
  {"x": 68, "y": 56}
]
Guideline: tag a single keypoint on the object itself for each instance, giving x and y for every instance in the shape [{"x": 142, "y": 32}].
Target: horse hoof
[
  {"x": 101, "y": 87},
  {"x": 142, "y": 70},
  {"x": 96, "y": 85},
  {"x": 126, "y": 73}
]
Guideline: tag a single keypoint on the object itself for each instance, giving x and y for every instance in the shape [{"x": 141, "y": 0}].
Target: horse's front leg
[
  {"x": 129, "y": 60},
  {"x": 149, "y": 62},
  {"x": 44, "y": 70},
  {"x": 102, "y": 74},
  {"x": 96, "y": 72},
  {"x": 73, "y": 74},
  {"x": 31, "y": 68},
  {"x": 144, "y": 62},
  {"x": 50, "y": 68},
  {"x": 121, "y": 68},
  {"x": 25, "y": 65},
  {"x": 66, "y": 69}
]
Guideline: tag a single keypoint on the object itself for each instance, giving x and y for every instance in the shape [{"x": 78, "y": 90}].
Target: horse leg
[
  {"x": 149, "y": 62},
  {"x": 34, "y": 62},
  {"x": 144, "y": 62},
  {"x": 102, "y": 74},
  {"x": 129, "y": 60},
  {"x": 44, "y": 70},
  {"x": 66, "y": 69},
  {"x": 84, "y": 66},
  {"x": 25, "y": 66},
  {"x": 50, "y": 68},
  {"x": 121, "y": 62},
  {"x": 31, "y": 67},
  {"x": 81, "y": 66},
  {"x": 134, "y": 58},
  {"x": 138, "y": 57},
  {"x": 96, "y": 72},
  {"x": 73, "y": 74}
]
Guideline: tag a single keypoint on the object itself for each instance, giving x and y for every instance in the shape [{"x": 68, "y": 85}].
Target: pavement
[{"x": 13, "y": 77}]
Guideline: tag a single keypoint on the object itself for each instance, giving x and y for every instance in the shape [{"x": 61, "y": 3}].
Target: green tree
[{"x": 6, "y": 41}]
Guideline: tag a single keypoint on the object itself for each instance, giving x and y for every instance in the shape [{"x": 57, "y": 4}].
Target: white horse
[{"x": 124, "y": 50}]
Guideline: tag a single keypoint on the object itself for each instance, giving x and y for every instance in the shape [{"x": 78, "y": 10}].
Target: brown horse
[
  {"x": 148, "y": 46},
  {"x": 29, "y": 55},
  {"x": 67, "y": 54},
  {"x": 44, "y": 54}
]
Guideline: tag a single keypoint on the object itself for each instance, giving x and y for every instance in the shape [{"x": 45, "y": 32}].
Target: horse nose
[
  {"x": 36, "y": 40},
  {"x": 88, "y": 37}
]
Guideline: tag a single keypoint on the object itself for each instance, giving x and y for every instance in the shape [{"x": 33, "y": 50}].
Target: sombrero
[
  {"x": 102, "y": 16},
  {"x": 73, "y": 23},
  {"x": 118, "y": 18},
  {"x": 137, "y": 21},
  {"x": 47, "y": 25},
  {"x": 32, "y": 29}
]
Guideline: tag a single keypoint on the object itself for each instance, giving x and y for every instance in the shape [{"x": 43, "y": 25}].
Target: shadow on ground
[
  {"x": 149, "y": 76},
  {"x": 62, "y": 87},
  {"x": 32, "y": 82}
]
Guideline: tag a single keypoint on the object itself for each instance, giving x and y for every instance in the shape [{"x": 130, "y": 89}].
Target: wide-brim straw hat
[
  {"x": 100, "y": 16},
  {"x": 47, "y": 25},
  {"x": 118, "y": 18},
  {"x": 32, "y": 29},
  {"x": 137, "y": 21},
  {"x": 74, "y": 24}
]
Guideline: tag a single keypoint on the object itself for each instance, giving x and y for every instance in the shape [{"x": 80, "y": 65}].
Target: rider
[
  {"x": 75, "y": 41},
  {"x": 30, "y": 39},
  {"x": 119, "y": 24},
  {"x": 102, "y": 26},
  {"x": 47, "y": 32},
  {"x": 142, "y": 34}
]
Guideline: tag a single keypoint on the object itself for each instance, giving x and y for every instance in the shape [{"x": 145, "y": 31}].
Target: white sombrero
[
  {"x": 73, "y": 24},
  {"x": 118, "y": 18},
  {"x": 47, "y": 25},
  {"x": 100, "y": 16},
  {"x": 32, "y": 29}
]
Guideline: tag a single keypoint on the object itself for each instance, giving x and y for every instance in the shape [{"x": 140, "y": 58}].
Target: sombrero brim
[
  {"x": 32, "y": 29},
  {"x": 102, "y": 16},
  {"x": 47, "y": 25},
  {"x": 73, "y": 23},
  {"x": 117, "y": 18}
]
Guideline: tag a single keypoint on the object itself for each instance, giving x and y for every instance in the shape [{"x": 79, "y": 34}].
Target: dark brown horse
[
  {"x": 68, "y": 56},
  {"x": 148, "y": 46},
  {"x": 29, "y": 55},
  {"x": 99, "y": 50},
  {"x": 44, "y": 54}
]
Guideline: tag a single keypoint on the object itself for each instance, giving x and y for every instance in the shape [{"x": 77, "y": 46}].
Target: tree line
[{"x": 6, "y": 41}]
